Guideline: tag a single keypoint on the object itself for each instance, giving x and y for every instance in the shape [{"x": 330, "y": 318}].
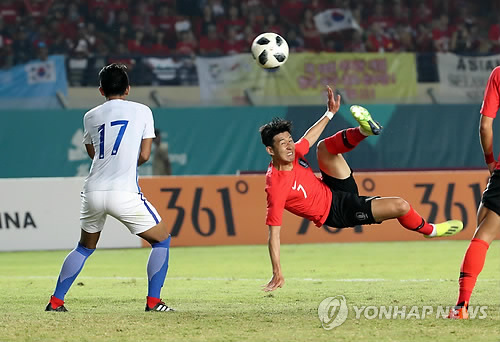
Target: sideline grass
[{"x": 216, "y": 291}]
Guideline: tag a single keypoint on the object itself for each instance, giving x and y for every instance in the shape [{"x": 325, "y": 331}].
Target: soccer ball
[{"x": 270, "y": 50}]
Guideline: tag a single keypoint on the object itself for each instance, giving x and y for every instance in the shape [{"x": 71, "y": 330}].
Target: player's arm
[
  {"x": 274, "y": 252},
  {"x": 145, "y": 150},
  {"x": 90, "y": 150},
  {"x": 333, "y": 105},
  {"x": 486, "y": 136}
]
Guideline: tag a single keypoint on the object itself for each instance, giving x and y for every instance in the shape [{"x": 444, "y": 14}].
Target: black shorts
[
  {"x": 348, "y": 209},
  {"x": 491, "y": 196}
]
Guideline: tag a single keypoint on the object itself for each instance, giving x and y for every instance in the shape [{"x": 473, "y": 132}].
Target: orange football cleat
[{"x": 459, "y": 312}]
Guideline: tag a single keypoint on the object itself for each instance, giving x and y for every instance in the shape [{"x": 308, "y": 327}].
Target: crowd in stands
[{"x": 31, "y": 29}]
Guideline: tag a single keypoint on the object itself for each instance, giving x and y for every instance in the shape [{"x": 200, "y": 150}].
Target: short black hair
[
  {"x": 271, "y": 129},
  {"x": 113, "y": 79}
]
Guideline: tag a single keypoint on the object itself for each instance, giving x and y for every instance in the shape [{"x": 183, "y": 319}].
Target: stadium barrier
[
  {"x": 43, "y": 214},
  {"x": 226, "y": 210},
  {"x": 231, "y": 210}
]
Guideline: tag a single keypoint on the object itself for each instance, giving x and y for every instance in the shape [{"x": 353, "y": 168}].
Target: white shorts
[{"x": 131, "y": 209}]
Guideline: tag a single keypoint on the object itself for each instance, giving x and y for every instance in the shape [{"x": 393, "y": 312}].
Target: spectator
[
  {"x": 207, "y": 19},
  {"x": 316, "y": 6},
  {"x": 422, "y": 14},
  {"x": 81, "y": 47},
  {"x": 295, "y": 42},
  {"x": 312, "y": 37},
  {"x": 37, "y": 8},
  {"x": 161, "y": 161},
  {"x": 159, "y": 46},
  {"x": 403, "y": 38},
  {"x": 42, "y": 51},
  {"x": 137, "y": 45},
  {"x": 379, "y": 17},
  {"x": 249, "y": 35},
  {"x": 400, "y": 14},
  {"x": 423, "y": 40},
  {"x": 356, "y": 43},
  {"x": 22, "y": 47},
  {"x": 292, "y": 11},
  {"x": 211, "y": 44},
  {"x": 494, "y": 34},
  {"x": 217, "y": 8},
  {"x": 272, "y": 24},
  {"x": 10, "y": 12},
  {"x": 59, "y": 44},
  {"x": 187, "y": 44},
  {"x": 233, "y": 20},
  {"x": 6, "y": 54},
  {"x": 441, "y": 34},
  {"x": 143, "y": 18},
  {"x": 378, "y": 41},
  {"x": 232, "y": 45},
  {"x": 465, "y": 39}
]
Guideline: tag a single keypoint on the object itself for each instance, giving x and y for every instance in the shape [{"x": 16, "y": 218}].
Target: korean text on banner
[{"x": 363, "y": 77}]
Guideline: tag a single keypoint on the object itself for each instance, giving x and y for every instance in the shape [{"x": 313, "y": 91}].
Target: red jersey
[
  {"x": 491, "y": 101},
  {"x": 299, "y": 191}
]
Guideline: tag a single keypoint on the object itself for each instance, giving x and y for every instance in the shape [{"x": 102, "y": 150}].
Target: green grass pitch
[{"x": 216, "y": 292}]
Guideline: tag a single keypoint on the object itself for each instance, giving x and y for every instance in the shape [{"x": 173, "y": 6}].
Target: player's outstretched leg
[
  {"x": 395, "y": 207},
  {"x": 347, "y": 139},
  {"x": 71, "y": 267},
  {"x": 367, "y": 124}
]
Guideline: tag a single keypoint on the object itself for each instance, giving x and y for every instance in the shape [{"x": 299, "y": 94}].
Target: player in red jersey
[
  {"x": 488, "y": 219},
  {"x": 332, "y": 199}
]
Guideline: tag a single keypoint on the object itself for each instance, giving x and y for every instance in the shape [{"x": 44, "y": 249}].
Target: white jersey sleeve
[
  {"x": 149, "y": 130},
  {"x": 116, "y": 130}
]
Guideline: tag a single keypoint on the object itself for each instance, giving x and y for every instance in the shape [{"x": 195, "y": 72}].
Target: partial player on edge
[{"x": 488, "y": 213}]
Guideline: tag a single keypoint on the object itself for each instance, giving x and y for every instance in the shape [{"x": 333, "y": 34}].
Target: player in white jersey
[{"x": 118, "y": 138}]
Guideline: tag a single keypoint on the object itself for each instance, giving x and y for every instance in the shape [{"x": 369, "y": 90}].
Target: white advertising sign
[
  {"x": 44, "y": 214},
  {"x": 462, "y": 79}
]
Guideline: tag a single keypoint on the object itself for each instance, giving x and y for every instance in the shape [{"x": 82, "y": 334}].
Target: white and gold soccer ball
[{"x": 270, "y": 50}]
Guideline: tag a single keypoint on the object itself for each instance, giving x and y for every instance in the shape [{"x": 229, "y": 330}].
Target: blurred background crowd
[{"x": 123, "y": 30}]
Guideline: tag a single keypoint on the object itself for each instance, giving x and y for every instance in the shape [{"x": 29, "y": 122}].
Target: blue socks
[
  {"x": 157, "y": 267},
  {"x": 71, "y": 267}
]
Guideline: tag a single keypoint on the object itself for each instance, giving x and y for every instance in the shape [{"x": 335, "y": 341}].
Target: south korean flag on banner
[{"x": 41, "y": 72}]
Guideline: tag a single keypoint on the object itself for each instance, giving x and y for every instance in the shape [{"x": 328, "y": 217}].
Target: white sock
[
  {"x": 434, "y": 230},
  {"x": 366, "y": 134}
]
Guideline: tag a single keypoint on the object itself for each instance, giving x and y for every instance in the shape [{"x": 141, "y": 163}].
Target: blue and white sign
[{"x": 34, "y": 85}]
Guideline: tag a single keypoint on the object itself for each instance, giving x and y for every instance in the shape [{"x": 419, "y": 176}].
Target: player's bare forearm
[
  {"x": 486, "y": 134},
  {"x": 90, "y": 150},
  {"x": 145, "y": 151},
  {"x": 274, "y": 248},
  {"x": 486, "y": 137},
  {"x": 277, "y": 279},
  {"x": 314, "y": 132}
]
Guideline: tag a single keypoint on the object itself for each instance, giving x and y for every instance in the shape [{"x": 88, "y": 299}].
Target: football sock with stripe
[
  {"x": 413, "y": 221},
  {"x": 472, "y": 265},
  {"x": 157, "y": 269},
  {"x": 70, "y": 269},
  {"x": 344, "y": 141}
]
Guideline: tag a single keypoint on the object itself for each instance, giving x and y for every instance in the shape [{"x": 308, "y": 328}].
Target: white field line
[{"x": 343, "y": 280}]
